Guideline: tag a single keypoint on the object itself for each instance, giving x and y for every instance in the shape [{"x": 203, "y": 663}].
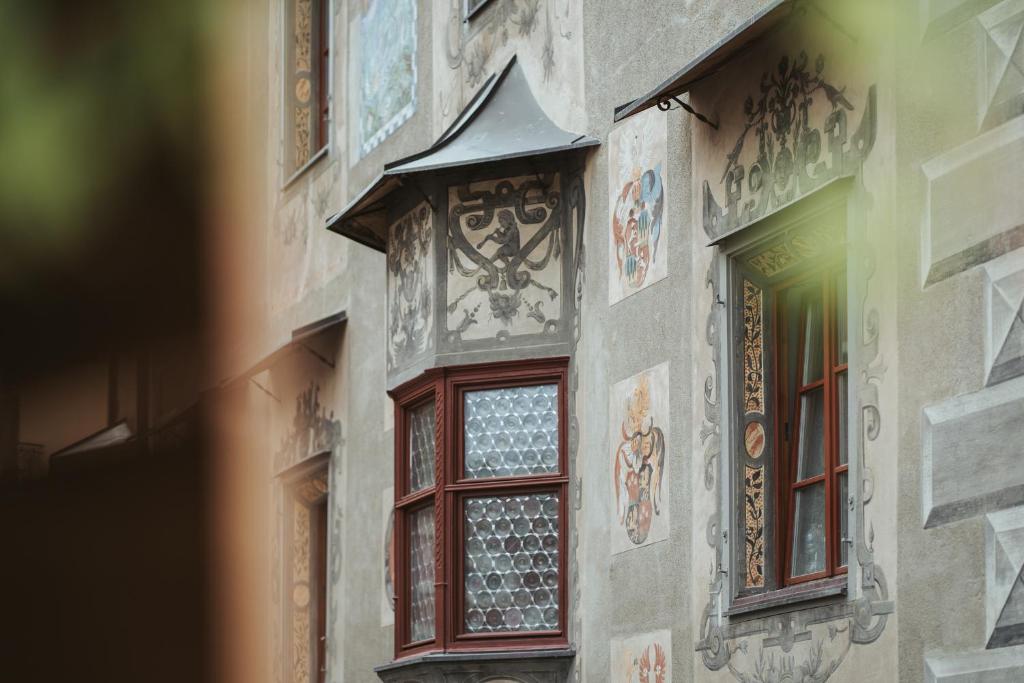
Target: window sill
[
  {"x": 789, "y": 598},
  {"x": 305, "y": 167},
  {"x": 544, "y": 665}
]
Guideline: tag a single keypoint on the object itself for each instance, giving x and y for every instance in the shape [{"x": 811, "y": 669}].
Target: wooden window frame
[
  {"x": 323, "y": 71},
  {"x": 787, "y": 410},
  {"x": 446, "y": 387},
  {"x": 319, "y": 514}
]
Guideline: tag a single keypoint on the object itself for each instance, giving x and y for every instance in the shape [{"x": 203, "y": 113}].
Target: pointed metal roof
[{"x": 503, "y": 121}]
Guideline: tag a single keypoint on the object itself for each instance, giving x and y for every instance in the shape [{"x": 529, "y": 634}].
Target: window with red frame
[
  {"x": 790, "y": 393},
  {"x": 813, "y": 424},
  {"x": 480, "y": 508}
]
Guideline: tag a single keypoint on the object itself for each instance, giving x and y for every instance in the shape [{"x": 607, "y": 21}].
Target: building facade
[{"x": 629, "y": 342}]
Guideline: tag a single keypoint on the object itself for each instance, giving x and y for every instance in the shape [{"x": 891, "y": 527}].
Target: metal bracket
[
  {"x": 266, "y": 391},
  {"x": 666, "y": 105},
  {"x": 318, "y": 356}
]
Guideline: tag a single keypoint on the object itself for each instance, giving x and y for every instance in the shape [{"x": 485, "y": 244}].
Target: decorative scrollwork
[
  {"x": 504, "y": 258},
  {"x": 788, "y": 160}
]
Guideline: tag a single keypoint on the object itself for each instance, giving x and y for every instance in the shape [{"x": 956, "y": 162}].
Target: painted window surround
[
  {"x": 735, "y": 603},
  {"x": 445, "y": 387},
  {"x": 306, "y": 484},
  {"x": 324, "y": 28}
]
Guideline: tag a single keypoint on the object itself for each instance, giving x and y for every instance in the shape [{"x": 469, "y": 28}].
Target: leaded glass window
[{"x": 483, "y": 518}]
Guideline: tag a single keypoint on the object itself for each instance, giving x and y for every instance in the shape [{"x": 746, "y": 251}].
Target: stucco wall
[{"x": 923, "y": 343}]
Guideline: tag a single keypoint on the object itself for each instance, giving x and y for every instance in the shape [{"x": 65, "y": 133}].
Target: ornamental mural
[
  {"x": 387, "y": 79},
  {"x": 410, "y": 286},
  {"x": 754, "y": 438},
  {"x": 791, "y": 138},
  {"x": 644, "y": 658},
  {"x": 636, "y": 190},
  {"x": 505, "y": 258},
  {"x": 313, "y": 429},
  {"x": 789, "y": 122},
  {"x": 543, "y": 34},
  {"x": 639, "y": 419},
  {"x": 300, "y": 94}
]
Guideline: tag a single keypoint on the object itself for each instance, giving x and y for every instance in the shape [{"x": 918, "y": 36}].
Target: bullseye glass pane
[
  {"x": 811, "y": 436},
  {"x": 511, "y": 563},
  {"x": 808, "y": 530},
  {"x": 421, "y": 447},
  {"x": 421, "y": 570},
  {"x": 511, "y": 432}
]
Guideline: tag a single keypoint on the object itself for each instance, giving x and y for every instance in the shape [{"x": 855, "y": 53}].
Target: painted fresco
[
  {"x": 644, "y": 658},
  {"x": 410, "y": 286},
  {"x": 313, "y": 429},
  {"x": 505, "y": 251},
  {"x": 636, "y": 197},
  {"x": 387, "y": 84},
  {"x": 799, "y": 125},
  {"x": 387, "y": 595},
  {"x": 543, "y": 34},
  {"x": 639, "y": 431},
  {"x": 793, "y": 115}
]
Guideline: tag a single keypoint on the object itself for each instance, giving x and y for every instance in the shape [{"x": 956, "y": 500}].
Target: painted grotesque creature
[
  {"x": 639, "y": 465},
  {"x": 636, "y": 224}
]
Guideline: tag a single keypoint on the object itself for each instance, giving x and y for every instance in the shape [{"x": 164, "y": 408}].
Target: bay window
[{"x": 480, "y": 507}]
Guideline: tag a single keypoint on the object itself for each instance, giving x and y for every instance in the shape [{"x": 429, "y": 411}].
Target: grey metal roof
[
  {"x": 503, "y": 121},
  {"x": 714, "y": 58}
]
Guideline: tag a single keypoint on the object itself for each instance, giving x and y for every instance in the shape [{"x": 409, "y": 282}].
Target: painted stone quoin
[
  {"x": 639, "y": 409},
  {"x": 410, "y": 285},
  {"x": 505, "y": 244},
  {"x": 636, "y": 182}
]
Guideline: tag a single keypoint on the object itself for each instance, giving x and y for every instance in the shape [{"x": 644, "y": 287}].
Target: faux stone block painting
[
  {"x": 505, "y": 259},
  {"x": 644, "y": 658},
  {"x": 639, "y": 433},
  {"x": 410, "y": 286},
  {"x": 387, "y": 85},
  {"x": 637, "y": 203}
]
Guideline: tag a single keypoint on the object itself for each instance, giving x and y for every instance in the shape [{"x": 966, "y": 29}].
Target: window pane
[
  {"x": 808, "y": 530},
  {"x": 844, "y": 519},
  {"x": 843, "y": 417},
  {"x": 421, "y": 574},
  {"x": 511, "y": 563},
  {"x": 511, "y": 432},
  {"x": 421, "y": 447},
  {"x": 811, "y": 436},
  {"x": 810, "y": 308},
  {"x": 841, "y": 332}
]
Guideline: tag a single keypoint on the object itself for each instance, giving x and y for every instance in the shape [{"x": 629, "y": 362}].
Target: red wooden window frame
[
  {"x": 323, "y": 70},
  {"x": 319, "y": 516},
  {"x": 446, "y": 388},
  {"x": 789, "y": 412}
]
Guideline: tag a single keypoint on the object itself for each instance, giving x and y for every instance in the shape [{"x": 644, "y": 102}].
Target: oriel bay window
[
  {"x": 480, "y": 507},
  {"x": 789, "y": 351}
]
